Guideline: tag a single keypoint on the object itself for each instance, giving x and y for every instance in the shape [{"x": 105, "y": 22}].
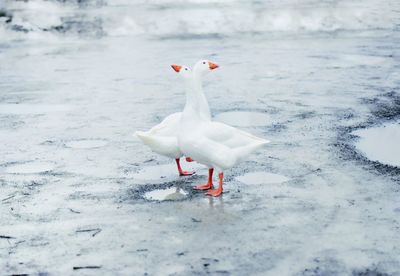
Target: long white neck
[
  {"x": 203, "y": 106},
  {"x": 196, "y": 108}
]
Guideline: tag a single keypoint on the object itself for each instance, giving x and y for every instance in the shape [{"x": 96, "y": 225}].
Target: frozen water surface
[
  {"x": 158, "y": 172},
  {"x": 165, "y": 172},
  {"x": 255, "y": 178},
  {"x": 86, "y": 144},
  {"x": 31, "y": 108},
  {"x": 30, "y": 167},
  {"x": 166, "y": 194},
  {"x": 243, "y": 118},
  {"x": 381, "y": 144},
  {"x": 92, "y": 72}
]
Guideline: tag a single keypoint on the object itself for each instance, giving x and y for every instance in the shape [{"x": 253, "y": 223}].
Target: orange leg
[
  {"x": 209, "y": 183},
  {"x": 189, "y": 159},
  {"x": 181, "y": 172},
  {"x": 217, "y": 192}
]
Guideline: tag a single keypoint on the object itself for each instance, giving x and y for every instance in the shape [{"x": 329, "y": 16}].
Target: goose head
[
  {"x": 182, "y": 70},
  {"x": 204, "y": 66}
]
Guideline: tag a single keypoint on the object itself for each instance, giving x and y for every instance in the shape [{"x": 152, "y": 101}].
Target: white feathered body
[
  {"x": 214, "y": 144},
  {"x": 162, "y": 138}
]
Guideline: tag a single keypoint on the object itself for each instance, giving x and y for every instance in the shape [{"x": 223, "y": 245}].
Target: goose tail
[
  {"x": 146, "y": 138},
  {"x": 160, "y": 144},
  {"x": 142, "y": 135},
  {"x": 243, "y": 152}
]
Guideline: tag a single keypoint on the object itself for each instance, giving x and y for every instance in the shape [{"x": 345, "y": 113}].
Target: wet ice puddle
[
  {"x": 30, "y": 168},
  {"x": 21, "y": 109},
  {"x": 166, "y": 194},
  {"x": 86, "y": 144},
  {"x": 243, "y": 118},
  {"x": 381, "y": 144},
  {"x": 257, "y": 178}
]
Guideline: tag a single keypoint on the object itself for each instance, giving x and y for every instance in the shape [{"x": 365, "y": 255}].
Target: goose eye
[
  {"x": 185, "y": 69},
  {"x": 204, "y": 62}
]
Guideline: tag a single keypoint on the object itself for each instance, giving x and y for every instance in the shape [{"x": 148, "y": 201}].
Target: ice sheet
[
  {"x": 243, "y": 118},
  {"x": 30, "y": 167},
  {"x": 93, "y": 72},
  {"x": 256, "y": 178},
  {"x": 381, "y": 144},
  {"x": 166, "y": 194}
]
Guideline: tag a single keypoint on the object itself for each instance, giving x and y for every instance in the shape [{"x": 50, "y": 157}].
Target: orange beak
[
  {"x": 177, "y": 68},
  {"x": 212, "y": 65}
]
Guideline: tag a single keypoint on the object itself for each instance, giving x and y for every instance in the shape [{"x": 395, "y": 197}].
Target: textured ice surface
[
  {"x": 98, "y": 69},
  {"x": 164, "y": 173},
  {"x": 255, "y": 178},
  {"x": 243, "y": 118},
  {"x": 86, "y": 144},
  {"x": 166, "y": 194},
  {"x": 20, "y": 109},
  {"x": 30, "y": 167},
  {"x": 381, "y": 144}
]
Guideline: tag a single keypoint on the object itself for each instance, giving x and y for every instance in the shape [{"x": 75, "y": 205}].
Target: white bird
[
  {"x": 162, "y": 138},
  {"x": 213, "y": 144}
]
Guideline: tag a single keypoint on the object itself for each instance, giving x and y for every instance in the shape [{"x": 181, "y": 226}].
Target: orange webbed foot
[
  {"x": 182, "y": 172},
  {"x": 186, "y": 173},
  {"x": 209, "y": 183},
  {"x": 205, "y": 186},
  {"x": 189, "y": 159},
  {"x": 214, "y": 192},
  {"x": 217, "y": 192}
]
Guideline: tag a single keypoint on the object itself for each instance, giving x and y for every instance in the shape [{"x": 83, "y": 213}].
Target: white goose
[
  {"x": 162, "y": 138},
  {"x": 213, "y": 144}
]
